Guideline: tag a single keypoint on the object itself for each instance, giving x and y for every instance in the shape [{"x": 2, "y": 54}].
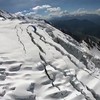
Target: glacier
[{"x": 39, "y": 62}]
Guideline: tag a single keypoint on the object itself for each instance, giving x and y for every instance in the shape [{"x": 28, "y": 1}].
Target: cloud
[
  {"x": 48, "y": 11},
  {"x": 19, "y": 14},
  {"x": 30, "y": 13},
  {"x": 58, "y": 14},
  {"x": 80, "y": 11},
  {"x": 41, "y": 7},
  {"x": 98, "y": 11},
  {"x": 83, "y": 11},
  {"x": 54, "y": 9}
]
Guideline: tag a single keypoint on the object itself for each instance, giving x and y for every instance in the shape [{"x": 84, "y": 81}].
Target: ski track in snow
[{"x": 38, "y": 62}]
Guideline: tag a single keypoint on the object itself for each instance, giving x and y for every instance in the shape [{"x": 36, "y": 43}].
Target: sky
[{"x": 50, "y": 7}]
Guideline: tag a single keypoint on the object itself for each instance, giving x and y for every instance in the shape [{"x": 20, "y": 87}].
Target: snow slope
[
  {"x": 39, "y": 62},
  {"x": 5, "y": 15}
]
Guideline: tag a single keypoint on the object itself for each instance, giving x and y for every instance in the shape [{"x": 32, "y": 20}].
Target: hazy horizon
[{"x": 49, "y": 8}]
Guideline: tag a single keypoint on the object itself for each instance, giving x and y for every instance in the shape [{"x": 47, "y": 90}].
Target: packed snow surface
[{"x": 38, "y": 62}]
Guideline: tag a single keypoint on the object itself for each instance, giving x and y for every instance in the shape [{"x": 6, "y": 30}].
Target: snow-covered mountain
[
  {"x": 5, "y": 15},
  {"x": 92, "y": 44},
  {"x": 39, "y": 62}
]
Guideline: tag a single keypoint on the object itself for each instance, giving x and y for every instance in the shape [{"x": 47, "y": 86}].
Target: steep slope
[
  {"x": 39, "y": 62},
  {"x": 5, "y": 15},
  {"x": 92, "y": 44}
]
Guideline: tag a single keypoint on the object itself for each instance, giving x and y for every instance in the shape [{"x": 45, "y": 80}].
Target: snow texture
[{"x": 39, "y": 62}]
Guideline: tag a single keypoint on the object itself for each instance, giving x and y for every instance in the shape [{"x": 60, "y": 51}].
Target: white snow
[{"x": 35, "y": 67}]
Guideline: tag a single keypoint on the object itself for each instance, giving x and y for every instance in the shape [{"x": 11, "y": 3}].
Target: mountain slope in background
[
  {"x": 91, "y": 17},
  {"x": 78, "y": 26},
  {"x": 39, "y": 62}
]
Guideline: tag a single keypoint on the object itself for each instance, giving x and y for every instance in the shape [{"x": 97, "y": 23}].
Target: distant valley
[{"x": 79, "y": 26}]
